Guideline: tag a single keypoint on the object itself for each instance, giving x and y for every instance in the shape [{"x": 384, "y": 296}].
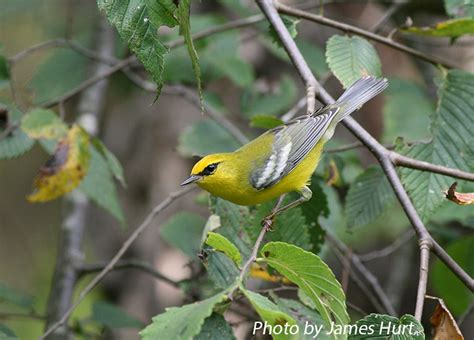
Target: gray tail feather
[{"x": 363, "y": 90}]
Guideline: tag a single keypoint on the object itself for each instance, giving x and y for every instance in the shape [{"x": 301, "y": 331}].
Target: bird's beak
[{"x": 191, "y": 179}]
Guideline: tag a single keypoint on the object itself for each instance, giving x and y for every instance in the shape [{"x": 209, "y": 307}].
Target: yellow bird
[{"x": 283, "y": 159}]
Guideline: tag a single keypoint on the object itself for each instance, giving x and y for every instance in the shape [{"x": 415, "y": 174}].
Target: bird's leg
[{"x": 305, "y": 193}]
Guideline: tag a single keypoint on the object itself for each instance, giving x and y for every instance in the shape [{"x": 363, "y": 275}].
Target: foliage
[
  {"x": 453, "y": 28},
  {"x": 388, "y": 327}
]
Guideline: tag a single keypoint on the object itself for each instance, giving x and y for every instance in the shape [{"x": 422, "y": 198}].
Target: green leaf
[
  {"x": 380, "y": 326},
  {"x": 270, "y": 313},
  {"x": 350, "y": 58},
  {"x": 181, "y": 322},
  {"x": 114, "y": 165},
  {"x": 239, "y": 71},
  {"x": 235, "y": 220},
  {"x": 16, "y": 142},
  {"x": 290, "y": 24},
  {"x": 400, "y": 121},
  {"x": 215, "y": 328},
  {"x": 43, "y": 123},
  {"x": 162, "y": 12},
  {"x": 459, "y": 8},
  {"x": 133, "y": 22},
  {"x": 49, "y": 82},
  {"x": 185, "y": 31},
  {"x": 222, "y": 244},
  {"x": 4, "y": 71},
  {"x": 453, "y": 28},
  {"x": 15, "y": 297},
  {"x": 6, "y": 333},
  {"x": 290, "y": 226},
  {"x": 314, "y": 209},
  {"x": 206, "y": 137},
  {"x": 303, "y": 316},
  {"x": 183, "y": 231},
  {"x": 221, "y": 270},
  {"x": 113, "y": 317},
  {"x": 271, "y": 103},
  {"x": 265, "y": 122},
  {"x": 368, "y": 197},
  {"x": 455, "y": 294},
  {"x": 452, "y": 143},
  {"x": 313, "y": 276},
  {"x": 99, "y": 186}
]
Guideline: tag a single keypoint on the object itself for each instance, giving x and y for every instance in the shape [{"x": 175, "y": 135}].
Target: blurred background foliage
[{"x": 248, "y": 78}]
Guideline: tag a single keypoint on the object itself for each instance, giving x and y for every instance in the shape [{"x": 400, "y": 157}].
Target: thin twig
[
  {"x": 359, "y": 31},
  {"x": 392, "y": 247},
  {"x": 411, "y": 163},
  {"x": 386, "y": 16},
  {"x": 111, "y": 264},
  {"x": 423, "y": 278},
  {"x": 371, "y": 279},
  {"x": 88, "y": 269}
]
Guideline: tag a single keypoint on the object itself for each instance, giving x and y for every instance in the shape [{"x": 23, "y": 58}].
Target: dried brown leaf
[
  {"x": 444, "y": 325},
  {"x": 459, "y": 197}
]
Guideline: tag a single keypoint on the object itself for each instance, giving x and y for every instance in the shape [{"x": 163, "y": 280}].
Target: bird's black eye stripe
[{"x": 209, "y": 170}]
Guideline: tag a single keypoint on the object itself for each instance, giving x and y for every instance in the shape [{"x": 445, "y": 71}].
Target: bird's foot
[{"x": 267, "y": 222}]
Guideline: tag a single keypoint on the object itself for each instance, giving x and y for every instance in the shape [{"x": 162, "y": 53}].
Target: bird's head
[{"x": 209, "y": 169}]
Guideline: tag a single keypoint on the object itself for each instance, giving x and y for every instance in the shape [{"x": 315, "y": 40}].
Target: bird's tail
[{"x": 363, "y": 90}]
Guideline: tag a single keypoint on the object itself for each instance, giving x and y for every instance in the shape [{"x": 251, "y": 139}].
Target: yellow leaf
[
  {"x": 65, "y": 169},
  {"x": 258, "y": 272},
  {"x": 445, "y": 327},
  {"x": 458, "y": 197}
]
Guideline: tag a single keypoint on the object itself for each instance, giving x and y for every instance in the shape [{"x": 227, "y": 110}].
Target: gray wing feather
[{"x": 293, "y": 141}]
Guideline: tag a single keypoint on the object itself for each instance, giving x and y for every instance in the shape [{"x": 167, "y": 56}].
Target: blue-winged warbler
[{"x": 282, "y": 159}]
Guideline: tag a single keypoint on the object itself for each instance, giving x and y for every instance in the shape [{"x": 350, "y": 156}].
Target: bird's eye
[{"x": 210, "y": 169}]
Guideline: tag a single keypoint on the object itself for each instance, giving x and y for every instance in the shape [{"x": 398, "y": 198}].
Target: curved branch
[{"x": 359, "y": 31}]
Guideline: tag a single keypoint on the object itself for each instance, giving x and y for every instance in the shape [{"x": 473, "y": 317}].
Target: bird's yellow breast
[{"x": 234, "y": 184}]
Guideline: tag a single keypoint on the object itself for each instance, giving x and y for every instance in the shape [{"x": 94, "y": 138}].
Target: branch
[
  {"x": 379, "y": 151},
  {"x": 88, "y": 269},
  {"x": 376, "y": 254},
  {"x": 423, "y": 278},
  {"x": 359, "y": 31},
  {"x": 111, "y": 264},
  {"x": 72, "y": 229}
]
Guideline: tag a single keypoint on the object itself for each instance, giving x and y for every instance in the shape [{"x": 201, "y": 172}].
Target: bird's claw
[{"x": 267, "y": 222}]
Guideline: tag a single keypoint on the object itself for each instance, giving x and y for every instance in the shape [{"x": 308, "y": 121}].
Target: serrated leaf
[
  {"x": 206, "y": 137},
  {"x": 455, "y": 294},
  {"x": 183, "y": 231},
  {"x": 113, "y": 317},
  {"x": 235, "y": 220},
  {"x": 222, "y": 244},
  {"x": 350, "y": 58},
  {"x": 290, "y": 226},
  {"x": 66, "y": 168},
  {"x": 185, "y": 31},
  {"x": 265, "y": 121},
  {"x": 43, "y": 123},
  {"x": 453, "y": 28},
  {"x": 221, "y": 270},
  {"x": 380, "y": 326},
  {"x": 459, "y": 8},
  {"x": 270, "y": 313},
  {"x": 313, "y": 276},
  {"x": 312, "y": 210},
  {"x": 290, "y": 24},
  {"x": 215, "y": 328},
  {"x": 368, "y": 197},
  {"x": 181, "y": 322},
  {"x": 16, "y": 142},
  {"x": 99, "y": 186},
  {"x": 303, "y": 316},
  {"x": 162, "y": 12},
  {"x": 132, "y": 20},
  {"x": 114, "y": 165},
  {"x": 6, "y": 333},
  {"x": 452, "y": 143},
  {"x": 15, "y": 297}
]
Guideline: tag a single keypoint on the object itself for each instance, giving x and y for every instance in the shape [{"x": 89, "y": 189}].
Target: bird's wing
[{"x": 292, "y": 143}]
